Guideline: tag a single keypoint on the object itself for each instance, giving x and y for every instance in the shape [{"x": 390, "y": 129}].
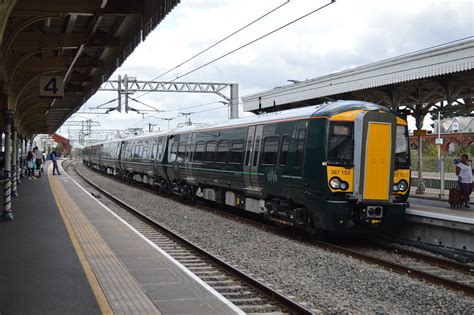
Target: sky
[{"x": 343, "y": 35}]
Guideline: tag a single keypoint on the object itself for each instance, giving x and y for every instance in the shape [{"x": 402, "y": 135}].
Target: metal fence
[{"x": 434, "y": 174}]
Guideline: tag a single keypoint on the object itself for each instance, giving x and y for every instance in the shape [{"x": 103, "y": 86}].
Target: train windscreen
[
  {"x": 401, "y": 147},
  {"x": 341, "y": 144}
]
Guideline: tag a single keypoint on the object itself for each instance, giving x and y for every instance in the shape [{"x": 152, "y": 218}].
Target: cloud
[{"x": 344, "y": 35}]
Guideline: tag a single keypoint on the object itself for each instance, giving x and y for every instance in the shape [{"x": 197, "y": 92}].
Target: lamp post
[
  {"x": 439, "y": 143},
  {"x": 421, "y": 186},
  {"x": 188, "y": 122}
]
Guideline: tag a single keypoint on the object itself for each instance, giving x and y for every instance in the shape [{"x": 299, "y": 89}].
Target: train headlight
[
  {"x": 335, "y": 183},
  {"x": 403, "y": 185},
  {"x": 344, "y": 185},
  {"x": 395, "y": 187}
]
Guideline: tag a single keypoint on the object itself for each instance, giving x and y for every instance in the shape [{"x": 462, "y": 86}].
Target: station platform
[
  {"x": 440, "y": 210},
  {"x": 434, "y": 222},
  {"x": 67, "y": 253}
]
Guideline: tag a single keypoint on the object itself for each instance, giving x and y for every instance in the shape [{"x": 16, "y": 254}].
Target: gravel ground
[{"x": 332, "y": 283}]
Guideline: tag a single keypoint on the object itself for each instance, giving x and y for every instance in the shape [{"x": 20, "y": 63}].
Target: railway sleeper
[
  {"x": 179, "y": 252},
  {"x": 195, "y": 262},
  {"x": 243, "y": 301},
  {"x": 214, "y": 278},
  {"x": 222, "y": 289},
  {"x": 193, "y": 265},
  {"x": 201, "y": 268},
  {"x": 207, "y": 273},
  {"x": 259, "y": 308},
  {"x": 243, "y": 293},
  {"x": 216, "y": 282},
  {"x": 272, "y": 313}
]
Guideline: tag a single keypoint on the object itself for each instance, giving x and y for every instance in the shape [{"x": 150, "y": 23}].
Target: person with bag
[
  {"x": 464, "y": 173},
  {"x": 30, "y": 161},
  {"x": 54, "y": 158},
  {"x": 39, "y": 159}
]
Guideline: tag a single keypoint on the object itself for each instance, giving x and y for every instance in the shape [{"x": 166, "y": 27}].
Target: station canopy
[{"x": 55, "y": 54}]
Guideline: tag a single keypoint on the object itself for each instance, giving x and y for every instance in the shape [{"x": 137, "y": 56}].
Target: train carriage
[{"x": 342, "y": 166}]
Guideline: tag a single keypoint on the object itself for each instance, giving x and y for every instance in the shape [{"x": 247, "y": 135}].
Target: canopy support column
[{"x": 7, "y": 214}]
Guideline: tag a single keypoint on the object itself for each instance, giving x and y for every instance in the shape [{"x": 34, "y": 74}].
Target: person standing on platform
[
  {"x": 464, "y": 173},
  {"x": 30, "y": 160},
  {"x": 39, "y": 159},
  {"x": 54, "y": 158}
]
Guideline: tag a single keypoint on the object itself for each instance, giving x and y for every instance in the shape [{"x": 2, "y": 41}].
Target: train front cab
[{"x": 368, "y": 171}]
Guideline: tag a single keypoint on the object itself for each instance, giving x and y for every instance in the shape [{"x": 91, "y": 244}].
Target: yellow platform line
[
  {"x": 91, "y": 278},
  {"x": 122, "y": 291}
]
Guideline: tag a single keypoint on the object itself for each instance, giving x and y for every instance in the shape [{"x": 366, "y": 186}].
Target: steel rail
[
  {"x": 413, "y": 272},
  {"x": 426, "y": 257},
  {"x": 293, "y": 306}
]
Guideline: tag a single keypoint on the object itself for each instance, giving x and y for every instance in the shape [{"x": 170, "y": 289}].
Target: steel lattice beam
[
  {"x": 81, "y": 123},
  {"x": 133, "y": 85}
]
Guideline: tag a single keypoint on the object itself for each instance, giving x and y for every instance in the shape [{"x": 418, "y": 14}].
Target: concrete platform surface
[{"x": 67, "y": 253}]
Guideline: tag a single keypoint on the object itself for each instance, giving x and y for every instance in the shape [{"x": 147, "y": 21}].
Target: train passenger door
[
  {"x": 121, "y": 155},
  {"x": 248, "y": 157},
  {"x": 252, "y": 157},
  {"x": 374, "y": 142},
  {"x": 191, "y": 140}
]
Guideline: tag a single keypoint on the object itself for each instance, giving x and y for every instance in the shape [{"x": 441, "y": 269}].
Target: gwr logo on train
[{"x": 272, "y": 176}]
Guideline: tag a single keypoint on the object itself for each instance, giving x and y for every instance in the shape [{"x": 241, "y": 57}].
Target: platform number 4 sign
[{"x": 52, "y": 86}]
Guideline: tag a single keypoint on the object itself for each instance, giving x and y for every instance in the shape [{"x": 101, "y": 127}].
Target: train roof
[{"x": 326, "y": 109}]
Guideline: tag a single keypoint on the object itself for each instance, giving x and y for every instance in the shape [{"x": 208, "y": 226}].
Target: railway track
[
  {"x": 251, "y": 295},
  {"x": 426, "y": 267}
]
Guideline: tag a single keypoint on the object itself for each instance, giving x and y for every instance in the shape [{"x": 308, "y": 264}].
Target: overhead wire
[
  {"x": 140, "y": 102},
  {"x": 253, "y": 41},
  {"x": 216, "y": 43},
  {"x": 194, "y": 113}
]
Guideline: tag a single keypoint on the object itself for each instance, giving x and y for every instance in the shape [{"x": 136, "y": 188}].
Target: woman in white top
[{"x": 464, "y": 172}]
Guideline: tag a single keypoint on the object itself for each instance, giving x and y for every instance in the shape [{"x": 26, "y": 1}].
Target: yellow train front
[{"x": 365, "y": 166}]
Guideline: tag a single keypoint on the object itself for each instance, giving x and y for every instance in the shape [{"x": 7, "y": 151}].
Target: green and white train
[{"x": 342, "y": 166}]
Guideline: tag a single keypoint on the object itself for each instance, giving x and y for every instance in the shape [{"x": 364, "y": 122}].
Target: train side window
[
  {"x": 300, "y": 148},
  {"x": 189, "y": 152},
  {"x": 209, "y": 156},
  {"x": 173, "y": 152},
  {"x": 153, "y": 151},
  {"x": 139, "y": 153},
  {"x": 181, "y": 151},
  {"x": 117, "y": 153},
  {"x": 248, "y": 151},
  {"x": 257, "y": 150},
  {"x": 222, "y": 151},
  {"x": 270, "y": 150},
  {"x": 285, "y": 146},
  {"x": 160, "y": 153},
  {"x": 145, "y": 151},
  {"x": 236, "y": 152},
  {"x": 199, "y": 151}
]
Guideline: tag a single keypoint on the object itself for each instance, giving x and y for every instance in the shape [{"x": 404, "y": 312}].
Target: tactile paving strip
[{"x": 121, "y": 289}]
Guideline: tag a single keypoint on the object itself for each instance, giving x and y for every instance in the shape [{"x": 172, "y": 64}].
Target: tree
[{"x": 59, "y": 148}]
